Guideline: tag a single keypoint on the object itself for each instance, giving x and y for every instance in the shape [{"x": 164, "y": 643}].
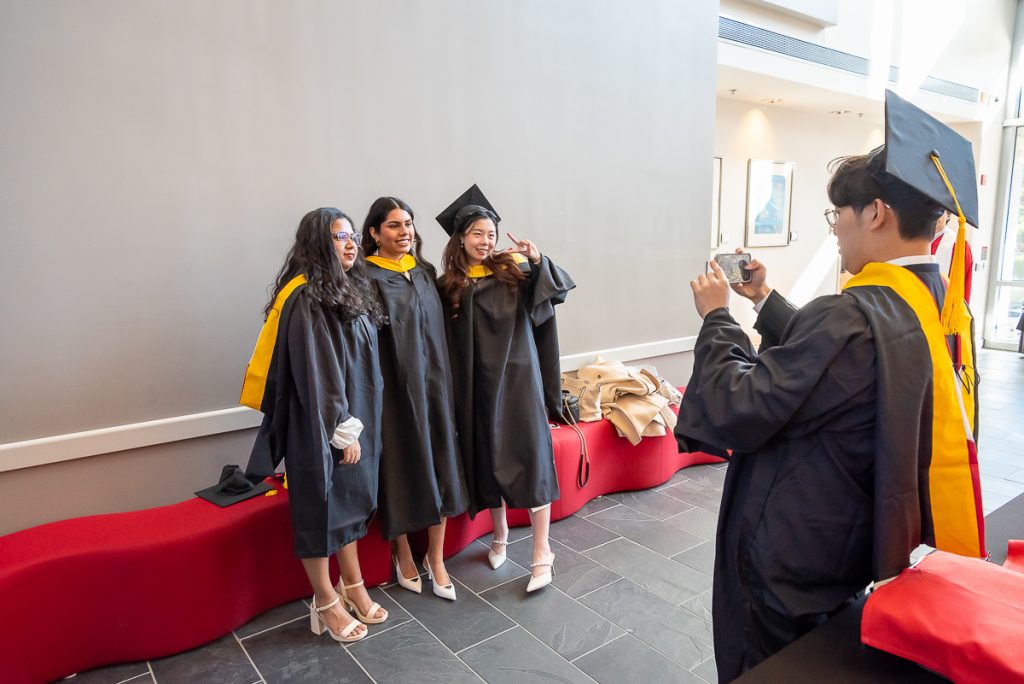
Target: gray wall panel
[{"x": 156, "y": 156}]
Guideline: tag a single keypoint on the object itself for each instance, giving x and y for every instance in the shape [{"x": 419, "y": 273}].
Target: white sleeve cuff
[
  {"x": 347, "y": 433},
  {"x": 760, "y": 304}
]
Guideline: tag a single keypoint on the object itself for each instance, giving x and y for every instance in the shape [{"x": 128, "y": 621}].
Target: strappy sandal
[
  {"x": 318, "y": 626},
  {"x": 370, "y": 617},
  {"x": 497, "y": 559}
]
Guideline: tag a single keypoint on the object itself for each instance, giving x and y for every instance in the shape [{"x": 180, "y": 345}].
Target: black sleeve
[
  {"x": 548, "y": 285},
  {"x": 775, "y": 315},
  {"x": 737, "y": 399}
]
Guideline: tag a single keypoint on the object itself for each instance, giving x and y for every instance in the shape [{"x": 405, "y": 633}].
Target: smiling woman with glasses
[{"x": 314, "y": 375}]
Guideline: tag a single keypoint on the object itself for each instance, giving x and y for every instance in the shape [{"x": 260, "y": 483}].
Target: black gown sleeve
[
  {"x": 319, "y": 390},
  {"x": 547, "y": 285},
  {"x": 737, "y": 399},
  {"x": 775, "y": 315}
]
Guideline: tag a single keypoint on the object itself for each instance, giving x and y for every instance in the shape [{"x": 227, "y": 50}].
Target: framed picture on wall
[
  {"x": 769, "y": 196},
  {"x": 716, "y": 202}
]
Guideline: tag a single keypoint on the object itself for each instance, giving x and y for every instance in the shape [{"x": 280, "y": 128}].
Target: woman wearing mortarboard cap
[
  {"x": 421, "y": 481},
  {"x": 499, "y": 308},
  {"x": 316, "y": 378}
]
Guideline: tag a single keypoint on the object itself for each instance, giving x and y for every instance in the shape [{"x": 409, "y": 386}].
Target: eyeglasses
[
  {"x": 832, "y": 218},
  {"x": 345, "y": 236}
]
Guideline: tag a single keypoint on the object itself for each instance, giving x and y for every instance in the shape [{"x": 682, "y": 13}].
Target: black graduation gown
[
  {"x": 322, "y": 372},
  {"x": 797, "y": 534},
  {"x": 421, "y": 477},
  {"x": 504, "y": 350}
]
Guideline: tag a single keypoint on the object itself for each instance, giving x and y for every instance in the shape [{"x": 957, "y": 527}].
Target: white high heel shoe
[
  {"x": 544, "y": 579},
  {"x": 445, "y": 592},
  {"x": 414, "y": 585},
  {"x": 497, "y": 559},
  {"x": 318, "y": 626}
]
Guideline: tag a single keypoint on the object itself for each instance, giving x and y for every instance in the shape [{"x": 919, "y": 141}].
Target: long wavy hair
[
  {"x": 456, "y": 265},
  {"x": 314, "y": 256},
  {"x": 375, "y": 217}
]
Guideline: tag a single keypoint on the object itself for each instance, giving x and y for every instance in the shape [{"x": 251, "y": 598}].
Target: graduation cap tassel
[{"x": 953, "y": 308}]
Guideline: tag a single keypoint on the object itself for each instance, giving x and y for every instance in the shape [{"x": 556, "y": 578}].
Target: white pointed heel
[
  {"x": 414, "y": 585},
  {"x": 544, "y": 579},
  {"x": 370, "y": 617},
  {"x": 497, "y": 559},
  {"x": 318, "y": 626},
  {"x": 445, "y": 592}
]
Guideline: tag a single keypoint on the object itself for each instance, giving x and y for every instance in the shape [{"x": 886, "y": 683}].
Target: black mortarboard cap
[
  {"x": 450, "y": 219},
  {"x": 911, "y": 137},
  {"x": 232, "y": 488}
]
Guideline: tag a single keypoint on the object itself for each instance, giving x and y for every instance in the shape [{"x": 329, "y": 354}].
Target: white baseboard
[{"x": 45, "y": 450}]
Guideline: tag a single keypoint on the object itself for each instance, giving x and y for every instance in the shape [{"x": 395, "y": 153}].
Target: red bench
[{"x": 134, "y": 586}]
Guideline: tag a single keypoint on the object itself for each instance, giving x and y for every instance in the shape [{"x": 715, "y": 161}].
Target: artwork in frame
[
  {"x": 716, "y": 202},
  {"x": 769, "y": 196}
]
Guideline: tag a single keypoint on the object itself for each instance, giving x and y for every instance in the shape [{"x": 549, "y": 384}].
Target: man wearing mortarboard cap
[{"x": 853, "y": 428}]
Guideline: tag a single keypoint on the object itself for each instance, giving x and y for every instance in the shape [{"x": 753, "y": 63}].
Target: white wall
[
  {"x": 807, "y": 267},
  {"x": 157, "y": 157}
]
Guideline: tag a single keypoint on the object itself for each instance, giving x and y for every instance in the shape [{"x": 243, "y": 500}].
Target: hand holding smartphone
[{"x": 734, "y": 266}]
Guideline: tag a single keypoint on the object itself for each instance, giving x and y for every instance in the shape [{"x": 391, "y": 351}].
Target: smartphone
[{"x": 733, "y": 264}]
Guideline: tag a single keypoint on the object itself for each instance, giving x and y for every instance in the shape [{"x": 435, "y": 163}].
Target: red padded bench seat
[{"x": 140, "y": 585}]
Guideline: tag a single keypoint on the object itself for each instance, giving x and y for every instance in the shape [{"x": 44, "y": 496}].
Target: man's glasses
[
  {"x": 832, "y": 218},
  {"x": 345, "y": 236}
]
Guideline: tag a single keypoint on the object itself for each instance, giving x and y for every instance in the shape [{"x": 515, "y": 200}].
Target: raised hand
[{"x": 524, "y": 247}]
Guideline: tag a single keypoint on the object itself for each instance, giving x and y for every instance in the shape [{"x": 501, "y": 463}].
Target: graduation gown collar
[
  {"x": 403, "y": 265},
  {"x": 481, "y": 271}
]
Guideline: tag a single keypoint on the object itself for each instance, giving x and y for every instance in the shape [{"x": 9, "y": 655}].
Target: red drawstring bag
[{"x": 962, "y": 618}]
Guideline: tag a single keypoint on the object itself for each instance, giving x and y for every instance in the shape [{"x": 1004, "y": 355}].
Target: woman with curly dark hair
[
  {"x": 500, "y": 313},
  {"x": 315, "y": 376}
]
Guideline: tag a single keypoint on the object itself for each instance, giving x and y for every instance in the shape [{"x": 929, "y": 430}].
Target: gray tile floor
[{"x": 630, "y": 601}]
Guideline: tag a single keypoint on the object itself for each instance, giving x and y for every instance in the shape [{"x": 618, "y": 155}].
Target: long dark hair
[
  {"x": 375, "y": 217},
  {"x": 314, "y": 256},
  {"x": 456, "y": 266}
]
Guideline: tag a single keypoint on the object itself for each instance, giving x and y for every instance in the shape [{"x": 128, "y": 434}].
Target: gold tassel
[{"x": 953, "y": 308}]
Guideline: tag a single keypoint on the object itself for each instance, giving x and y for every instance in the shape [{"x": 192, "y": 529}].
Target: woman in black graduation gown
[
  {"x": 316, "y": 378},
  {"x": 421, "y": 482},
  {"x": 499, "y": 309}
]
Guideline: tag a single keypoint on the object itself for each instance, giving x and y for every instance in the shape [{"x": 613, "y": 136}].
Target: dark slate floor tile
[
  {"x": 566, "y": 626},
  {"x": 222, "y": 660},
  {"x": 672, "y": 581},
  {"x": 708, "y": 475},
  {"x": 673, "y": 631},
  {"x": 471, "y": 567},
  {"x": 575, "y": 574},
  {"x": 696, "y": 521},
  {"x": 700, "y": 605},
  {"x": 113, "y": 674},
  {"x": 645, "y": 530},
  {"x": 292, "y": 653},
  {"x": 654, "y": 504},
  {"x": 274, "y": 617},
  {"x": 516, "y": 657},
  {"x": 630, "y": 660},
  {"x": 707, "y": 671},
  {"x": 676, "y": 478},
  {"x": 579, "y": 534},
  {"x": 693, "y": 492},
  {"x": 408, "y": 653},
  {"x": 700, "y": 558},
  {"x": 595, "y": 505},
  {"x": 458, "y": 624}
]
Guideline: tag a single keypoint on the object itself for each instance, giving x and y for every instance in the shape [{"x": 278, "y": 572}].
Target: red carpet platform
[{"x": 140, "y": 585}]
